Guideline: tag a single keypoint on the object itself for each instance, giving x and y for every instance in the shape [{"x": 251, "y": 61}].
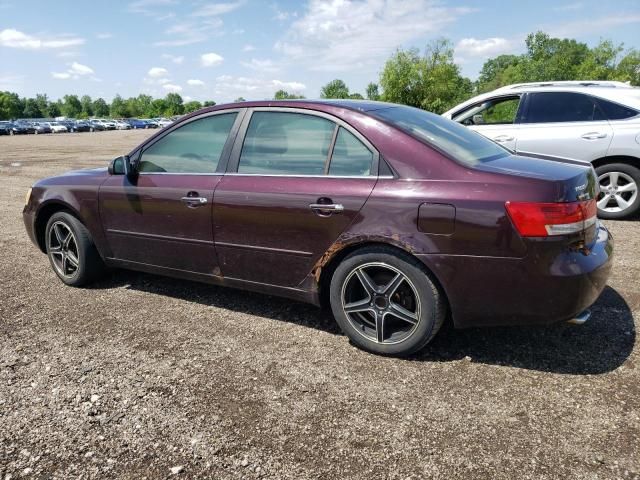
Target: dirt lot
[{"x": 140, "y": 374}]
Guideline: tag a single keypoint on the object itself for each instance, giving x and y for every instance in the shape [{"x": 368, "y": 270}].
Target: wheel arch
[
  {"x": 324, "y": 271},
  {"x": 45, "y": 212},
  {"x": 628, "y": 159}
]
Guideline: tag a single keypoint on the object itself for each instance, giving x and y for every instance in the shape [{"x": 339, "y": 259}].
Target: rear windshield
[{"x": 451, "y": 138}]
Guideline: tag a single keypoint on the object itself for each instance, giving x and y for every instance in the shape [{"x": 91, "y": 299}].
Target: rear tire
[
  {"x": 619, "y": 182},
  {"x": 400, "y": 310},
  {"x": 71, "y": 251}
]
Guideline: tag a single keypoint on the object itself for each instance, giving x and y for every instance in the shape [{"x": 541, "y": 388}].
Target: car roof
[{"x": 357, "y": 105}]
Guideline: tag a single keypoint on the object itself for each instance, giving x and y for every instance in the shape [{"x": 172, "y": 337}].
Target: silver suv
[{"x": 594, "y": 121}]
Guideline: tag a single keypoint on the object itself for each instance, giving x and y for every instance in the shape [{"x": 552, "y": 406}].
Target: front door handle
[
  {"x": 326, "y": 208},
  {"x": 503, "y": 138},
  {"x": 194, "y": 201},
  {"x": 594, "y": 135}
]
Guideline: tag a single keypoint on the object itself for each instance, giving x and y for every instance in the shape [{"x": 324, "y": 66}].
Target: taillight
[{"x": 546, "y": 219}]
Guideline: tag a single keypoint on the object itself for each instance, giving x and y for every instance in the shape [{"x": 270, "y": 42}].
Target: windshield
[{"x": 451, "y": 138}]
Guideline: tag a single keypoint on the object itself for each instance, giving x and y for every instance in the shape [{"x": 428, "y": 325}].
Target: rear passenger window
[
  {"x": 195, "y": 147},
  {"x": 614, "y": 111},
  {"x": 558, "y": 107},
  {"x": 350, "y": 156},
  {"x": 283, "y": 143}
]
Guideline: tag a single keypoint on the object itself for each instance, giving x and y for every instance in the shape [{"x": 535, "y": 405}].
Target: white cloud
[
  {"x": 174, "y": 58},
  {"x": 170, "y": 87},
  {"x": 261, "y": 65},
  {"x": 188, "y": 33},
  {"x": 248, "y": 48},
  {"x": 157, "y": 72},
  {"x": 79, "y": 69},
  {"x": 104, "y": 36},
  {"x": 228, "y": 87},
  {"x": 217, "y": 9},
  {"x": 61, "y": 75},
  {"x": 195, "y": 83},
  {"x": 569, "y": 7},
  {"x": 210, "y": 59},
  {"x": 340, "y": 35},
  {"x": 151, "y": 8},
  {"x": 16, "y": 39},
  {"x": 487, "y": 47}
]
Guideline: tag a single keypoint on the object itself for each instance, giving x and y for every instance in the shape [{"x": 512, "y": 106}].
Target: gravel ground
[{"x": 143, "y": 376}]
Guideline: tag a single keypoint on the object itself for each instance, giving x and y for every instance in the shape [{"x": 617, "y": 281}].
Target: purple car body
[{"x": 457, "y": 220}]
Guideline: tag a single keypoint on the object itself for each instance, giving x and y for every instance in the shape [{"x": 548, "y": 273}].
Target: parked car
[
  {"x": 163, "y": 122},
  {"x": 83, "y": 126},
  {"x": 136, "y": 123},
  {"x": 57, "y": 127},
  {"x": 69, "y": 124},
  {"x": 97, "y": 125},
  {"x": 150, "y": 123},
  {"x": 22, "y": 128},
  {"x": 122, "y": 125},
  {"x": 395, "y": 216},
  {"x": 41, "y": 127},
  {"x": 105, "y": 124},
  {"x": 594, "y": 121},
  {"x": 5, "y": 128}
]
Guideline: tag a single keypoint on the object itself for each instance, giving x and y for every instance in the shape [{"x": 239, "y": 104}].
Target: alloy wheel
[
  {"x": 63, "y": 249},
  {"x": 618, "y": 192},
  {"x": 381, "y": 303}
]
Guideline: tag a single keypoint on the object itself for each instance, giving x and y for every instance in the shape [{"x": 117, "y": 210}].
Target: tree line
[{"x": 430, "y": 80}]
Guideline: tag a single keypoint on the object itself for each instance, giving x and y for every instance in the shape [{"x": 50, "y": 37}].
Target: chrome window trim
[
  {"x": 214, "y": 174},
  {"x": 370, "y": 177}
]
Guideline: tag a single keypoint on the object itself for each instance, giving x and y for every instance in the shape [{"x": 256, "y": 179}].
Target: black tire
[
  {"x": 625, "y": 171},
  {"x": 429, "y": 306},
  {"x": 90, "y": 266}
]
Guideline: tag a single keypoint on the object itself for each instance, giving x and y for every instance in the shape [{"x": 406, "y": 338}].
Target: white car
[
  {"x": 120, "y": 125},
  {"x": 593, "y": 121},
  {"x": 57, "y": 127},
  {"x": 163, "y": 122}
]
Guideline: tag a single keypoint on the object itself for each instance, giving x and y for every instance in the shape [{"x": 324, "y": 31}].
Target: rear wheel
[
  {"x": 71, "y": 250},
  {"x": 385, "y": 302},
  {"x": 619, "y": 195}
]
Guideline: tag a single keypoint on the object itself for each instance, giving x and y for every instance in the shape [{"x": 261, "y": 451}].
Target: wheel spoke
[
  {"x": 380, "y": 327},
  {"x": 58, "y": 234},
  {"x": 72, "y": 259},
  {"x": 359, "y": 306},
  {"x": 613, "y": 179},
  {"x": 366, "y": 281},
  {"x": 67, "y": 240},
  {"x": 402, "y": 313},
  {"x": 629, "y": 187},
  {"x": 622, "y": 203},
  {"x": 603, "y": 202},
  {"x": 393, "y": 285}
]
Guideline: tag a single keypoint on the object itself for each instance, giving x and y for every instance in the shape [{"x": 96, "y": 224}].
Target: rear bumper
[{"x": 542, "y": 288}]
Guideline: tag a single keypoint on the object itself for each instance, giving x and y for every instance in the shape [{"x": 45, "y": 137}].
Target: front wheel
[
  {"x": 385, "y": 301},
  {"x": 619, "y": 185},
  {"x": 71, "y": 251}
]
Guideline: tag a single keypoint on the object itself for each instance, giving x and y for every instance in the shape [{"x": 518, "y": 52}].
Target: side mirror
[{"x": 117, "y": 166}]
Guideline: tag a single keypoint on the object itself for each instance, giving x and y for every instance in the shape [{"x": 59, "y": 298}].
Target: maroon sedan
[{"x": 396, "y": 217}]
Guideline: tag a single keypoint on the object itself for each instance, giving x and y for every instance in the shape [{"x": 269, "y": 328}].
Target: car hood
[{"x": 86, "y": 176}]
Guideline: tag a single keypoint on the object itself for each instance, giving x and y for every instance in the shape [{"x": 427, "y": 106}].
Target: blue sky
[{"x": 229, "y": 48}]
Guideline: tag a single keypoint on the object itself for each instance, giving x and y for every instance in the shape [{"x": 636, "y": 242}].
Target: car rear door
[
  {"x": 564, "y": 124},
  {"x": 496, "y": 118},
  {"x": 296, "y": 179},
  {"x": 163, "y": 217}
]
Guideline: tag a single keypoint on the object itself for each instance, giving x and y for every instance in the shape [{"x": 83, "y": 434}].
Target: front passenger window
[{"x": 195, "y": 147}]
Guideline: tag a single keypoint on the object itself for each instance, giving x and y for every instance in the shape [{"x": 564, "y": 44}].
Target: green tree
[
  {"x": 628, "y": 70},
  {"x": 431, "y": 81},
  {"x": 335, "y": 89},
  {"x": 157, "y": 108},
  {"x": 43, "y": 104},
  {"x": 356, "y": 96},
  {"x": 31, "y": 109},
  {"x": 239, "y": 99},
  {"x": 71, "y": 106},
  {"x": 11, "y": 106},
  {"x": 209, "y": 103},
  {"x": 118, "y": 108},
  {"x": 54, "y": 110},
  {"x": 174, "y": 103},
  {"x": 100, "y": 108},
  {"x": 87, "y": 106},
  {"x": 284, "y": 95},
  {"x": 192, "y": 106},
  {"x": 373, "y": 92}
]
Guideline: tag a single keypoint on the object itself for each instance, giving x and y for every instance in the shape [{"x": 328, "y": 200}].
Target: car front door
[
  {"x": 296, "y": 180},
  {"x": 564, "y": 124},
  {"x": 162, "y": 218},
  {"x": 495, "y": 118}
]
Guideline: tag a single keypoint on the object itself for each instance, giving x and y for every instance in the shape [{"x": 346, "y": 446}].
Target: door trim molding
[
  {"x": 283, "y": 251},
  {"x": 154, "y": 236}
]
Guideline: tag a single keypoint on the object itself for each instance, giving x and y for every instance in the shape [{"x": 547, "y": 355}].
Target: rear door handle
[
  {"x": 503, "y": 138},
  {"x": 594, "y": 135}
]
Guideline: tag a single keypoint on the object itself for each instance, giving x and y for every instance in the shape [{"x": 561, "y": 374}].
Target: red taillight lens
[{"x": 546, "y": 219}]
